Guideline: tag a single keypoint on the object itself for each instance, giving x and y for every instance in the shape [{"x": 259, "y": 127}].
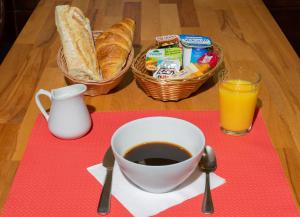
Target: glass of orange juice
[{"x": 238, "y": 97}]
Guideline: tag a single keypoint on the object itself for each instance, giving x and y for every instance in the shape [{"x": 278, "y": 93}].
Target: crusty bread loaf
[
  {"x": 78, "y": 44},
  {"x": 113, "y": 47}
]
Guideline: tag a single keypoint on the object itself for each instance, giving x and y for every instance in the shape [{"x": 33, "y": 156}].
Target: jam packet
[{"x": 210, "y": 58}]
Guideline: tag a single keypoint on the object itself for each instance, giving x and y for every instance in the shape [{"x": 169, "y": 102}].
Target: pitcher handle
[{"x": 39, "y": 104}]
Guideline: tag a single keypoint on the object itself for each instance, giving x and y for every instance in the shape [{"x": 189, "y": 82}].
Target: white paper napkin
[{"x": 137, "y": 201}]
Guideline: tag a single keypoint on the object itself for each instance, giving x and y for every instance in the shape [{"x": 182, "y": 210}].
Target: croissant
[{"x": 113, "y": 47}]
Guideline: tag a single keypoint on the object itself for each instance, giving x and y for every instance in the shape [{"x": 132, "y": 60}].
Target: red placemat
[{"x": 52, "y": 179}]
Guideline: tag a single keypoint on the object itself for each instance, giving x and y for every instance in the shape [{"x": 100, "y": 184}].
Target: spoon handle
[
  {"x": 104, "y": 203},
  {"x": 207, "y": 204}
]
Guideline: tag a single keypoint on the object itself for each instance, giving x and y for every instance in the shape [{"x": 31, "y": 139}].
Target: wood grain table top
[{"x": 247, "y": 32}]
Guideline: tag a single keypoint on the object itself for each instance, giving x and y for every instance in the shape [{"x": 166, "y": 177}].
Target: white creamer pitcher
[{"x": 69, "y": 117}]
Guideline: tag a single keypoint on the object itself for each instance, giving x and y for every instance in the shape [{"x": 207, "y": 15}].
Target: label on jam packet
[{"x": 210, "y": 58}]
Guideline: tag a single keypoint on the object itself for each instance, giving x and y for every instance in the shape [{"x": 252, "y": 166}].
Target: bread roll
[
  {"x": 78, "y": 44},
  {"x": 113, "y": 47}
]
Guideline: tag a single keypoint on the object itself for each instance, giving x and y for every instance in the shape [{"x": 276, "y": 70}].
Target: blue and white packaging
[
  {"x": 195, "y": 41},
  {"x": 194, "y": 46}
]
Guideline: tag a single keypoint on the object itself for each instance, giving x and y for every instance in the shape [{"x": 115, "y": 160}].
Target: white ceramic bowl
[{"x": 158, "y": 179}]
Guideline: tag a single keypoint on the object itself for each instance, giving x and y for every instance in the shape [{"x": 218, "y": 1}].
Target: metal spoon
[
  {"x": 208, "y": 163},
  {"x": 104, "y": 202}
]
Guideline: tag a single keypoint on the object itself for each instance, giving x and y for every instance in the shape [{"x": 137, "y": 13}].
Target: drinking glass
[{"x": 238, "y": 97}]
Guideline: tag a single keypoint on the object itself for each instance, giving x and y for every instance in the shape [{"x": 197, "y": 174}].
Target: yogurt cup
[{"x": 194, "y": 46}]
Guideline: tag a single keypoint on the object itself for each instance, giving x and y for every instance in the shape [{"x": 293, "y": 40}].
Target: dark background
[
  {"x": 15, "y": 13},
  {"x": 287, "y": 15}
]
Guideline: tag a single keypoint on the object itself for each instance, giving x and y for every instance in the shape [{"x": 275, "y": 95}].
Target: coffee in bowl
[
  {"x": 145, "y": 150},
  {"x": 157, "y": 154}
]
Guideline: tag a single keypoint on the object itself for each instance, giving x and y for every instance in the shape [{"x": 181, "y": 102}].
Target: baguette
[
  {"x": 113, "y": 47},
  {"x": 78, "y": 44}
]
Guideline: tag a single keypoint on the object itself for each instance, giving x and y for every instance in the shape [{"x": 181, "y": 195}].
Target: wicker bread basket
[
  {"x": 94, "y": 88},
  {"x": 170, "y": 90}
]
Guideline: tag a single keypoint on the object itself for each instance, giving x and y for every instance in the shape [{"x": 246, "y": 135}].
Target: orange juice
[{"x": 237, "y": 104}]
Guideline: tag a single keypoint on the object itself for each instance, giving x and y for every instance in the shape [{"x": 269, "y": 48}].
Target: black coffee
[{"x": 157, "y": 154}]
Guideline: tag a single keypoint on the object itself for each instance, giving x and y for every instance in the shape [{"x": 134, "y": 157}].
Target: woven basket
[
  {"x": 170, "y": 90},
  {"x": 94, "y": 88}
]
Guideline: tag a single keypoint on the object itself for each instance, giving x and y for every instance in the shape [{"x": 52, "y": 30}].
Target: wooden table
[{"x": 246, "y": 30}]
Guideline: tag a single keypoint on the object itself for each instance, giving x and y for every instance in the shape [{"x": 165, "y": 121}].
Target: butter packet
[
  {"x": 167, "y": 69},
  {"x": 155, "y": 57},
  {"x": 195, "y": 41},
  {"x": 170, "y": 64},
  {"x": 192, "y": 70},
  {"x": 165, "y": 73}
]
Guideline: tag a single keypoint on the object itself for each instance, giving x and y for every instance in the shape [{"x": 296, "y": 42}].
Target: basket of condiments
[{"x": 176, "y": 66}]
